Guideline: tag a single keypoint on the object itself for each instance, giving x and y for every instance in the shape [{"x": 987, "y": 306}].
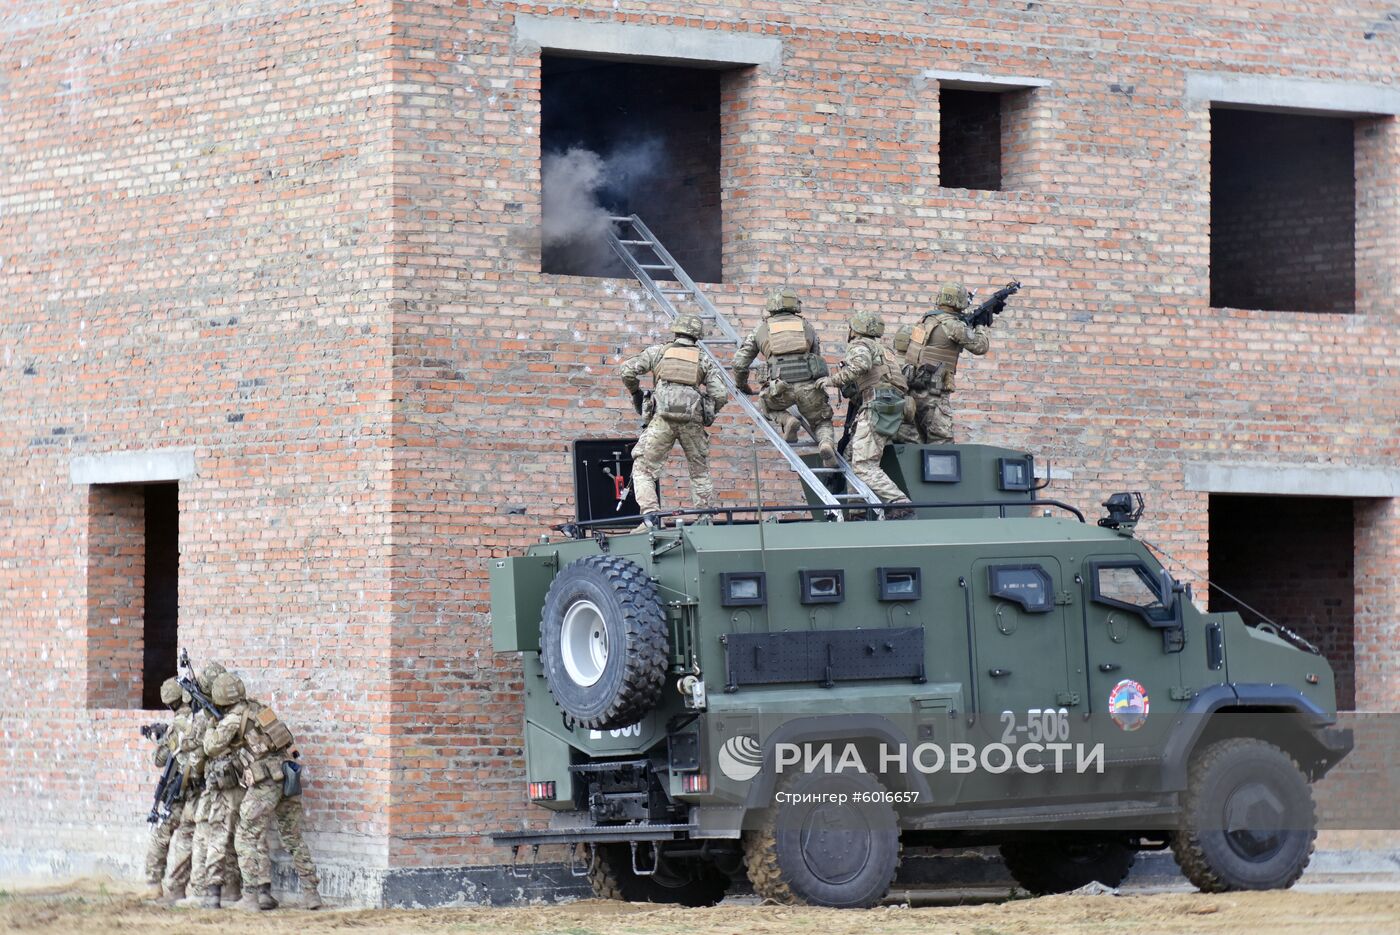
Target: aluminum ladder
[{"x": 629, "y": 234}]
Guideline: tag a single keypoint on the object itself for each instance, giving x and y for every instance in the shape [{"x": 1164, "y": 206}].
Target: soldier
[
  {"x": 158, "y": 849},
  {"x": 214, "y": 876},
  {"x": 182, "y": 739},
  {"x": 933, "y": 354},
  {"x": 689, "y": 393},
  {"x": 792, "y": 351},
  {"x": 908, "y": 429},
  {"x": 261, "y": 747},
  {"x": 873, "y": 372}
]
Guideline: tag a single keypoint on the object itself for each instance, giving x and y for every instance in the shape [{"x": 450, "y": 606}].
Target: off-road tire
[
  {"x": 774, "y": 853},
  {"x": 1060, "y": 863},
  {"x": 1202, "y": 848},
  {"x": 610, "y": 874},
  {"x": 638, "y": 641}
]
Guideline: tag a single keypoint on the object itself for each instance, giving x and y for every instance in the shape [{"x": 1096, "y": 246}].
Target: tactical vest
[
  {"x": 931, "y": 346},
  {"x": 883, "y": 374},
  {"x": 786, "y": 344},
  {"x": 680, "y": 363},
  {"x": 265, "y": 741}
]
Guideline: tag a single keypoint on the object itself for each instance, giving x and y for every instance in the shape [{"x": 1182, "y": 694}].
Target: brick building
[{"x": 285, "y": 361}]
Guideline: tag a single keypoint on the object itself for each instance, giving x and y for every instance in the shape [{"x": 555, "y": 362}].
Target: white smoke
[{"x": 582, "y": 190}]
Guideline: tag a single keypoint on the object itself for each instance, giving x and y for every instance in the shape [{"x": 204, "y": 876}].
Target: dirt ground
[{"x": 96, "y": 908}]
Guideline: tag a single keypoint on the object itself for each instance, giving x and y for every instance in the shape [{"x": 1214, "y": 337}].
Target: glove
[
  {"x": 826, "y": 383},
  {"x": 743, "y": 384},
  {"x": 637, "y": 397}
]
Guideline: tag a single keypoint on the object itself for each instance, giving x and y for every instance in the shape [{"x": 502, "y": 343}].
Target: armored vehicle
[{"x": 760, "y": 690}]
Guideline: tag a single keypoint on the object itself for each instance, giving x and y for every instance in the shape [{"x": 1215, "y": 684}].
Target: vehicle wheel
[
  {"x": 604, "y": 642},
  {"x": 689, "y": 883},
  {"x": 822, "y": 854},
  {"x": 1248, "y": 821},
  {"x": 1061, "y": 863}
]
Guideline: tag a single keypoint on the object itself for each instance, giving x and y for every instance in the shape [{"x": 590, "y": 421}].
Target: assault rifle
[
  {"x": 984, "y": 313},
  {"x": 190, "y": 683},
  {"x": 167, "y": 791},
  {"x": 155, "y": 732}
]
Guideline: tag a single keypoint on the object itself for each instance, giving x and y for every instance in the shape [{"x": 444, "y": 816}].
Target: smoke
[{"x": 582, "y": 190}]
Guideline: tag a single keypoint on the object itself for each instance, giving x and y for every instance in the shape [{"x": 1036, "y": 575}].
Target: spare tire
[{"x": 604, "y": 642}]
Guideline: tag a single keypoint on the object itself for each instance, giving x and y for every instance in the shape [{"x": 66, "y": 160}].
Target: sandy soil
[{"x": 95, "y": 908}]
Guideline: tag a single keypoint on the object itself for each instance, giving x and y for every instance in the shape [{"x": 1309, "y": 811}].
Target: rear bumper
[{"x": 595, "y": 834}]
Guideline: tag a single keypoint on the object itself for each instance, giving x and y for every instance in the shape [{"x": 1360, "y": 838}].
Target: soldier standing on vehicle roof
[
  {"x": 792, "y": 351},
  {"x": 873, "y": 371},
  {"x": 161, "y": 833},
  {"x": 262, "y": 750},
  {"x": 933, "y": 352},
  {"x": 689, "y": 393},
  {"x": 908, "y": 429}
]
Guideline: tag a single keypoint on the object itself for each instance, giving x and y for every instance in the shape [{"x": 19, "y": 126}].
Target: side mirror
[{"x": 1168, "y": 590}]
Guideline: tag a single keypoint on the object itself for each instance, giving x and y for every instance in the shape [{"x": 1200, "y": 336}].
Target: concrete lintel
[
  {"x": 133, "y": 467},
  {"x": 977, "y": 81},
  {"x": 1298, "y": 95},
  {"x": 1293, "y": 480},
  {"x": 1051, "y": 472},
  {"x": 713, "y": 48}
]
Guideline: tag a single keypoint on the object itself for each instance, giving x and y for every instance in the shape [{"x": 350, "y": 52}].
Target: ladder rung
[
  {"x": 656, "y": 266},
  {"x": 636, "y": 243},
  {"x": 621, "y": 219}
]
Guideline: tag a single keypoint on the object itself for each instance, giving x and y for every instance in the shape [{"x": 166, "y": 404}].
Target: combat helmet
[
  {"x": 869, "y": 324},
  {"x": 953, "y": 295},
  {"x": 785, "y": 299},
  {"x": 902, "y": 337},
  {"x": 227, "y": 689},
  {"x": 170, "y": 693},
  {"x": 689, "y": 325},
  {"x": 205, "y": 679}
]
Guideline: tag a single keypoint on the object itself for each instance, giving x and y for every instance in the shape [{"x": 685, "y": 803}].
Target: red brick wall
[
  {"x": 194, "y": 218},
  {"x": 304, "y": 240}
]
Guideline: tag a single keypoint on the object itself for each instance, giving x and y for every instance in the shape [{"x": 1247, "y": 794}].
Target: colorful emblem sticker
[{"x": 1128, "y": 704}]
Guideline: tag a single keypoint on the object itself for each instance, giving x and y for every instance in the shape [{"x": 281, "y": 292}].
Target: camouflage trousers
[
  {"x": 263, "y": 804},
  {"x": 651, "y": 451},
  {"x": 810, "y": 399},
  {"x": 867, "y": 447},
  {"x": 159, "y": 847},
  {"x": 933, "y": 416},
  {"x": 212, "y": 859},
  {"x": 177, "y": 862}
]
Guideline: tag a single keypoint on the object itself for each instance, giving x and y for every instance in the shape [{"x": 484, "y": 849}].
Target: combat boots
[
  {"x": 828, "y": 453},
  {"x": 257, "y": 900},
  {"x": 211, "y": 897},
  {"x": 791, "y": 428},
  {"x": 310, "y": 898},
  {"x": 153, "y": 891},
  {"x": 173, "y": 897}
]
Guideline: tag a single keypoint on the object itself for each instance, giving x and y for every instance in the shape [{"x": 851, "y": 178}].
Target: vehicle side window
[
  {"x": 1028, "y": 585},
  {"x": 1129, "y": 585}
]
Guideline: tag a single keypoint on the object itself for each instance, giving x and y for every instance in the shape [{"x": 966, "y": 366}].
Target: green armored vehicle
[{"x": 771, "y": 693}]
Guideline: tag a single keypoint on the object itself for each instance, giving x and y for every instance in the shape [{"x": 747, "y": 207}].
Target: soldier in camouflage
[
  {"x": 177, "y": 862},
  {"x": 260, "y": 745},
  {"x": 689, "y": 393},
  {"x": 933, "y": 352},
  {"x": 158, "y": 850},
  {"x": 908, "y": 429},
  {"x": 792, "y": 352},
  {"x": 214, "y": 876},
  {"x": 872, "y": 371}
]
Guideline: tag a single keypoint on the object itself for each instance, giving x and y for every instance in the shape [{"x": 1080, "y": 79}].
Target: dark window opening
[
  {"x": 1028, "y": 585},
  {"x": 621, "y": 138},
  {"x": 1282, "y": 212},
  {"x": 132, "y": 593},
  {"x": 969, "y": 139},
  {"x": 1293, "y": 560}
]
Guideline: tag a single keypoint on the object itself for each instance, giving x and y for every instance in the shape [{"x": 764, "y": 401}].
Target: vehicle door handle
[
  {"x": 998, "y": 673},
  {"x": 1108, "y": 667}
]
